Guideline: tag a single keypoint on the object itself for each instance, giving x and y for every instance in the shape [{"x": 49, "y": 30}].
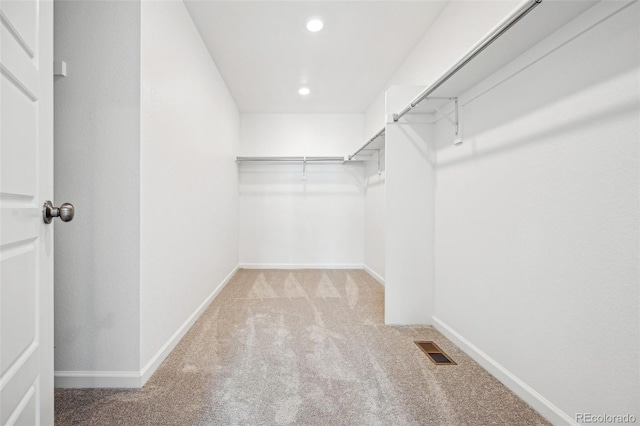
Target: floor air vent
[{"x": 435, "y": 354}]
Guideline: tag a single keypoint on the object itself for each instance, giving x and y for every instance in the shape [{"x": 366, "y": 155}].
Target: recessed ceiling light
[
  {"x": 315, "y": 25},
  {"x": 304, "y": 91}
]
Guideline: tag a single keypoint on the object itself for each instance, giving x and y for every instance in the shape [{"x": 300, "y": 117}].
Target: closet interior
[
  {"x": 453, "y": 195},
  {"x": 410, "y": 113},
  {"x": 489, "y": 182}
]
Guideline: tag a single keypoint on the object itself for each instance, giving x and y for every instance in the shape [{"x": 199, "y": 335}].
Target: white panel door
[{"x": 26, "y": 243}]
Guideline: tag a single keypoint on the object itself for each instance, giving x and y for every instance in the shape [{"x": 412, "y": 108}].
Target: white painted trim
[
  {"x": 97, "y": 379},
  {"x": 136, "y": 379},
  {"x": 374, "y": 274},
  {"x": 301, "y": 266},
  {"x": 510, "y": 380},
  {"x": 155, "y": 361}
]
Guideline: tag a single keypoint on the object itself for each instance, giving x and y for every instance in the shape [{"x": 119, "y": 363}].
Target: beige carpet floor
[{"x": 304, "y": 347}]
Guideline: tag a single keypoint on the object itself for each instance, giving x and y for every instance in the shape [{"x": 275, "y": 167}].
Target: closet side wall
[
  {"x": 537, "y": 235},
  {"x": 97, "y": 169},
  {"x": 189, "y": 189},
  {"x": 537, "y": 221},
  {"x": 289, "y": 222},
  {"x": 409, "y": 218},
  {"x": 374, "y": 215}
]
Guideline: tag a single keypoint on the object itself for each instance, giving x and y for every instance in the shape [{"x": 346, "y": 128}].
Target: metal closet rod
[
  {"x": 367, "y": 143},
  {"x": 291, "y": 159},
  {"x": 486, "y": 42}
]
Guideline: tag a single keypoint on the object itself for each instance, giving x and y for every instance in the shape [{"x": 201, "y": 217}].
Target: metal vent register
[{"x": 435, "y": 354}]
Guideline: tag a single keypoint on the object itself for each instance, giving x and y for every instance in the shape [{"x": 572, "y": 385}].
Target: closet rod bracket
[
  {"x": 457, "y": 139},
  {"x": 457, "y": 117},
  {"x": 304, "y": 168}
]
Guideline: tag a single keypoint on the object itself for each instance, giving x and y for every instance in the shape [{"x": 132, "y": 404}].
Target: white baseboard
[
  {"x": 301, "y": 266},
  {"x": 510, "y": 380},
  {"x": 374, "y": 274},
  {"x": 136, "y": 379},
  {"x": 370, "y": 271},
  {"x": 97, "y": 379},
  {"x": 155, "y": 361}
]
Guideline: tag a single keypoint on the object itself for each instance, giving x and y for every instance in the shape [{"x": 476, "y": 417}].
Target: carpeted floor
[{"x": 304, "y": 347}]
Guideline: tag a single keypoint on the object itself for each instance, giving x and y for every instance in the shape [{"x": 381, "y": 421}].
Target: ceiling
[{"x": 265, "y": 53}]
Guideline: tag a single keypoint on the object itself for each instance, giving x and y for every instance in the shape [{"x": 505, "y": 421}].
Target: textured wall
[
  {"x": 287, "y": 221},
  {"x": 189, "y": 189},
  {"x": 146, "y": 135},
  {"x": 537, "y": 213},
  {"x": 537, "y": 219},
  {"x": 97, "y": 168}
]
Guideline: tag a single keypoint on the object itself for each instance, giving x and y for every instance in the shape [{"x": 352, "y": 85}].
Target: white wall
[
  {"x": 285, "y": 221},
  {"x": 300, "y": 134},
  {"x": 374, "y": 215},
  {"x": 537, "y": 219},
  {"x": 409, "y": 239},
  {"x": 97, "y": 168},
  {"x": 536, "y": 243},
  {"x": 146, "y": 136},
  {"x": 188, "y": 178}
]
